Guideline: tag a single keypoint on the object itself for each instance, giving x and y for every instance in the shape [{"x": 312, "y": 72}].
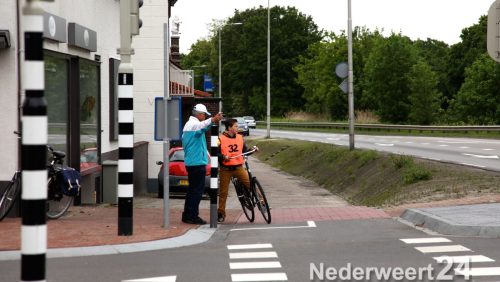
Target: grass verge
[{"x": 372, "y": 178}]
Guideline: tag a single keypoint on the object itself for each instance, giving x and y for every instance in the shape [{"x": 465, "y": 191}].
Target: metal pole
[
  {"x": 350, "y": 77},
  {"x": 125, "y": 125},
  {"x": 166, "y": 140},
  {"x": 214, "y": 183},
  {"x": 33, "y": 148},
  {"x": 220, "y": 72},
  {"x": 268, "y": 114}
]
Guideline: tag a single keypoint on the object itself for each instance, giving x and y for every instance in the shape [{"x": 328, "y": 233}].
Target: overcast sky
[{"x": 437, "y": 19}]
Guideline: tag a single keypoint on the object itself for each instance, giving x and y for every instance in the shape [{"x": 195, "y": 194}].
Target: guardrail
[{"x": 379, "y": 127}]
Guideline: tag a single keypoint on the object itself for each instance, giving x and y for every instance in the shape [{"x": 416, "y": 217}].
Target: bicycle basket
[{"x": 68, "y": 181}]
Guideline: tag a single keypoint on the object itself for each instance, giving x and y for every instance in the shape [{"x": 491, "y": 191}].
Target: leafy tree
[
  {"x": 200, "y": 54},
  {"x": 464, "y": 53},
  {"x": 478, "y": 101},
  {"x": 424, "y": 98},
  {"x": 386, "y": 79}
]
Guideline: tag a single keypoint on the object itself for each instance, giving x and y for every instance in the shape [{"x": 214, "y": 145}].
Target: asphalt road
[
  {"x": 480, "y": 153},
  {"x": 290, "y": 252}
]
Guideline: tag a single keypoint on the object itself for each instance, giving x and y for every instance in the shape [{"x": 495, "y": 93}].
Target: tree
[
  {"x": 199, "y": 56},
  {"x": 424, "y": 97},
  {"x": 386, "y": 79},
  {"x": 478, "y": 100}
]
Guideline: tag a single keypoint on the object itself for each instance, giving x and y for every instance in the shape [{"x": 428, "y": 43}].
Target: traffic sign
[
  {"x": 341, "y": 69},
  {"x": 493, "y": 34}
]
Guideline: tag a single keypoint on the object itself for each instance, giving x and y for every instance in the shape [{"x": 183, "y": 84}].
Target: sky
[{"x": 437, "y": 19}]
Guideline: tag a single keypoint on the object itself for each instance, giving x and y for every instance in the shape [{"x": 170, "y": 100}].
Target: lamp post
[
  {"x": 350, "y": 77},
  {"x": 220, "y": 63},
  {"x": 268, "y": 112}
]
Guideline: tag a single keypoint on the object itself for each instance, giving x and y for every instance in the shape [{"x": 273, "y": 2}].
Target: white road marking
[
  {"x": 249, "y": 246},
  {"x": 464, "y": 147},
  {"x": 409, "y": 142},
  {"x": 488, "y": 149},
  {"x": 425, "y": 143},
  {"x": 433, "y": 159},
  {"x": 333, "y": 139},
  {"x": 480, "y": 166},
  {"x": 462, "y": 259},
  {"x": 425, "y": 240},
  {"x": 259, "y": 277},
  {"x": 479, "y": 271},
  {"x": 481, "y": 156},
  {"x": 309, "y": 225},
  {"x": 384, "y": 144},
  {"x": 443, "y": 145},
  {"x": 253, "y": 255},
  {"x": 254, "y": 265},
  {"x": 154, "y": 279},
  {"x": 443, "y": 249}
]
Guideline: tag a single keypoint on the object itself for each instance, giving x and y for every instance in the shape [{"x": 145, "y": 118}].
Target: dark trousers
[{"x": 196, "y": 178}]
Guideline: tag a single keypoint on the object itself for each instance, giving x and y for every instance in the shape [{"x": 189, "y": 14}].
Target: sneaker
[
  {"x": 196, "y": 220},
  {"x": 221, "y": 218}
]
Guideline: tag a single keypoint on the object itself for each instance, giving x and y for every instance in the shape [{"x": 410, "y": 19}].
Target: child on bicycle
[{"x": 231, "y": 146}]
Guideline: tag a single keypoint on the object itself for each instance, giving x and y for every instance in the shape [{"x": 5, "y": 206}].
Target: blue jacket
[{"x": 194, "y": 143}]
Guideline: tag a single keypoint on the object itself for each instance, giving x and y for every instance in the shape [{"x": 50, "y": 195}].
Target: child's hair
[{"x": 229, "y": 122}]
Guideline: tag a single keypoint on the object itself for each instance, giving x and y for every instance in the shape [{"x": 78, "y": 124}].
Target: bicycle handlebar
[{"x": 245, "y": 154}]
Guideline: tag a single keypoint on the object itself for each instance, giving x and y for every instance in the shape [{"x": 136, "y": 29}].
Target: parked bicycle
[
  {"x": 58, "y": 199},
  {"x": 253, "y": 197}
]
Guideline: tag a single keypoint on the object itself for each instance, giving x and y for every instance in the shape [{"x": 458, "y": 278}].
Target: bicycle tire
[
  {"x": 261, "y": 200},
  {"x": 9, "y": 196},
  {"x": 245, "y": 200},
  {"x": 56, "y": 207}
]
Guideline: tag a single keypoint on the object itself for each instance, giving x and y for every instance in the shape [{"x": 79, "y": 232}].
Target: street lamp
[
  {"x": 350, "y": 76},
  {"x": 268, "y": 113},
  {"x": 220, "y": 63}
]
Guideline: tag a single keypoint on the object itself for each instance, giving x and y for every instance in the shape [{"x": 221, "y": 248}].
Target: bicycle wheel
[
  {"x": 261, "y": 200},
  {"x": 9, "y": 196},
  {"x": 57, "y": 202},
  {"x": 245, "y": 200}
]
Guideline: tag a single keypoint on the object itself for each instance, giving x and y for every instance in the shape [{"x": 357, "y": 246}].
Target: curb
[
  {"x": 190, "y": 238},
  {"x": 435, "y": 223}
]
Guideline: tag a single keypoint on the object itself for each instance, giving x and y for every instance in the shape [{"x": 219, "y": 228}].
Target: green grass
[{"x": 374, "y": 178}]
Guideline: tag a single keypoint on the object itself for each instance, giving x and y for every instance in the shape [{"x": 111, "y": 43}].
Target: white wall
[
  {"x": 148, "y": 63},
  {"x": 8, "y": 92}
]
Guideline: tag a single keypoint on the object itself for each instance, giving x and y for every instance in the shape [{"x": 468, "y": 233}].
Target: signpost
[{"x": 493, "y": 35}]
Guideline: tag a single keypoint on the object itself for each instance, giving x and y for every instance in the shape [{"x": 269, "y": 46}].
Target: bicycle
[
  {"x": 253, "y": 197},
  {"x": 57, "y": 202}
]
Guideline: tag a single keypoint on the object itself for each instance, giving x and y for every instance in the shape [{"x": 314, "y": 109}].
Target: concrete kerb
[
  {"x": 190, "y": 238},
  {"x": 443, "y": 226}
]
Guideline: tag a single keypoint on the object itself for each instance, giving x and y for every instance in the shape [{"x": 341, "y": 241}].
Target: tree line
[{"x": 402, "y": 81}]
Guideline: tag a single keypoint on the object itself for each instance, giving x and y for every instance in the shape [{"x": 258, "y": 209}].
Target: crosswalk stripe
[
  {"x": 154, "y": 279},
  {"x": 479, "y": 271},
  {"x": 463, "y": 259},
  {"x": 254, "y": 265},
  {"x": 259, "y": 277},
  {"x": 253, "y": 255},
  {"x": 443, "y": 249},
  {"x": 249, "y": 246},
  {"x": 425, "y": 240}
]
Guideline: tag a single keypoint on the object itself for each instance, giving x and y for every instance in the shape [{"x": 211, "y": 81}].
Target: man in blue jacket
[{"x": 196, "y": 158}]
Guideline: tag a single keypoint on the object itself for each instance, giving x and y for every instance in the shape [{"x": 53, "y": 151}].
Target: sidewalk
[{"x": 292, "y": 199}]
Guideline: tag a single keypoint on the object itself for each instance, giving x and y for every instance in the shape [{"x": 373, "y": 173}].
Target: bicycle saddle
[{"x": 59, "y": 154}]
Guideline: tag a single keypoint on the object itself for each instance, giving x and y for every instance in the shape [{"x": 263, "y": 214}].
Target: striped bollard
[
  {"x": 214, "y": 180},
  {"x": 33, "y": 149},
  {"x": 125, "y": 151}
]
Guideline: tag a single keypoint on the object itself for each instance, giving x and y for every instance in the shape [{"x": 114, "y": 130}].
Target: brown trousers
[{"x": 225, "y": 177}]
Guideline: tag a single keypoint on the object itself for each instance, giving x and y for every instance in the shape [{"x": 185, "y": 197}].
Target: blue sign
[{"x": 207, "y": 83}]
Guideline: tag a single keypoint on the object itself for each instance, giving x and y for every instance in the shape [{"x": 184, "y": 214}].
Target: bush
[{"x": 415, "y": 173}]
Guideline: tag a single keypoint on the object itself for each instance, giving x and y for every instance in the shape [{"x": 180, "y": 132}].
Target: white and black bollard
[
  {"x": 33, "y": 149},
  {"x": 214, "y": 180},
  {"x": 125, "y": 153}
]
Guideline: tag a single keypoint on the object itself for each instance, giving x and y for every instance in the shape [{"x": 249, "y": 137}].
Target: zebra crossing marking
[
  {"x": 249, "y": 246},
  {"x": 463, "y": 259},
  {"x": 425, "y": 240},
  {"x": 248, "y": 255},
  {"x": 443, "y": 249},
  {"x": 259, "y": 277},
  {"x": 250, "y": 265}
]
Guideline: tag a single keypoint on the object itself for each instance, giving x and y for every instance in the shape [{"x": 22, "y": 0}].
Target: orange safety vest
[{"x": 232, "y": 147}]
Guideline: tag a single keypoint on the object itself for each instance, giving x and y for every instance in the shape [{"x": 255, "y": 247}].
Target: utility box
[{"x": 109, "y": 182}]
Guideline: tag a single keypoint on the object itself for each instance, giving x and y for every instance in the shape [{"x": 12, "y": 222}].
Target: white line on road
[
  {"x": 487, "y": 149},
  {"x": 154, "y": 279},
  {"x": 425, "y": 240},
  {"x": 253, "y": 255},
  {"x": 462, "y": 259},
  {"x": 309, "y": 225},
  {"x": 443, "y": 249},
  {"x": 479, "y": 271},
  {"x": 464, "y": 147},
  {"x": 254, "y": 265},
  {"x": 481, "y": 156},
  {"x": 249, "y": 246},
  {"x": 481, "y": 166},
  {"x": 384, "y": 144},
  {"x": 259, "y": 277},
  {"x": 443, "y": 145}
]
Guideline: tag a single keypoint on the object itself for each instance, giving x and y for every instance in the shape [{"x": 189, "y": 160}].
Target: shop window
[
  {"x": 89, "y": 114},
  {"x": 56, "y": 94}
]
